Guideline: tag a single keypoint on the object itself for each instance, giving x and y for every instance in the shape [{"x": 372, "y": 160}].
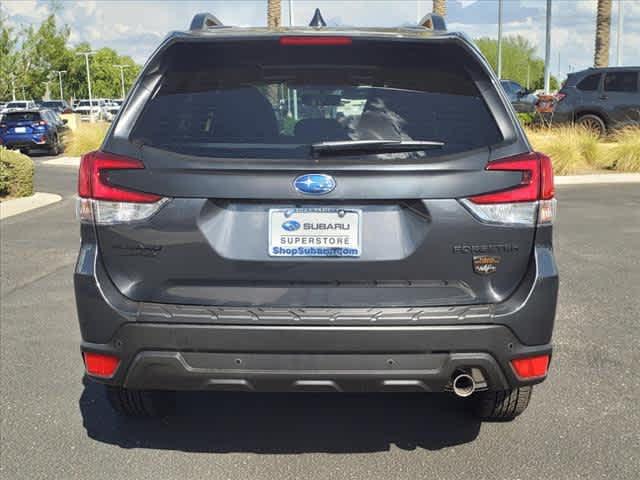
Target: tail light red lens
[
  {"x": 531, "y": 367},
  {"x": 536, "y": 183},
  {"x": 93, "y": 184},
  {"x": 309, "y": 40},
  {"x": 101, "y": 365},
  {"x": 547, "y": 185},
  {"x": 560, "y": 96}
]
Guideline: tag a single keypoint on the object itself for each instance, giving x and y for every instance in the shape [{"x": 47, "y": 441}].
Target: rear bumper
[
  {"x": 25, "y": 142},
  {"x": 351, "y": 359},
  {"x": 268, "y": 349}
]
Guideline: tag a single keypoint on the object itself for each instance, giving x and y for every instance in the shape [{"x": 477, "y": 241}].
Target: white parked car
[
  {"x": 19, "y": 105},
  {"x": 112, "y": 107},
  {"x": 91, "y": 110}
]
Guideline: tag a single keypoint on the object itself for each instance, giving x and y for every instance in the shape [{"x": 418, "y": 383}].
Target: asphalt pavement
[{"x": 584, "y": 422}]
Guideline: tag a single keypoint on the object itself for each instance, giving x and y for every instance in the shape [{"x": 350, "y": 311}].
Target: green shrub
[
  {"x": 624, "y": 154},
  {"x": 526, "y": 119},
  {"x": 572, "y": 149},
  {"x": 86, "y": 138},
  {"x": 16, "y": 174}
]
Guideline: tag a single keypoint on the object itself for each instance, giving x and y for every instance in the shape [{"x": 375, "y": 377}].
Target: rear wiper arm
[{"x": 373, "y": 146}]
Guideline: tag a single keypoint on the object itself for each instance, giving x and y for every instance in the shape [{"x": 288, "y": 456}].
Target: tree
[
  {"x": 440, "y": 7},
  {"x": 603, "y": 33},
  {"x": 7, "y": 59},
  {"x": 274, "y": 12},
  {"x": 43, "y": 50},
  {"x": 30, "y": 55},
  {"x": 518, "y": 59}
]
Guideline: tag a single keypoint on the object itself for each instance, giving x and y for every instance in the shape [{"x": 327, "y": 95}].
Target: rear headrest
[{"x": 243, "y": 113}]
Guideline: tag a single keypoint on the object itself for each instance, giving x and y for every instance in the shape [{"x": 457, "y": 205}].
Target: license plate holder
[{"x": 315, "y": 232}]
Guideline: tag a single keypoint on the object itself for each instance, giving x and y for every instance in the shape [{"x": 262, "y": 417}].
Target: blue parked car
[{"x": 28, "y": 130}]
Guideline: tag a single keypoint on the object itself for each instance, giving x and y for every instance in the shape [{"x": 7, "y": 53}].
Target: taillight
[
  {"x": 103, "y": 203},
  {"x": 100, "y": 364},
  {"x": 40, "y": 123},
  {"x": 309, "y": 40},
  {"x": 560, "y": 96},
  {"x": 522, "y": 204}
]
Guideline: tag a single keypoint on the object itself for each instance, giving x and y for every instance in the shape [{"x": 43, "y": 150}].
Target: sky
[{"x": 136, "y": 27}]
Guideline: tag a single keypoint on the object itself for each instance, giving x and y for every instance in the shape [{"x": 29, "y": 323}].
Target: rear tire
[
  {"x": 593, "y": 123},
  {"x": 503, "y": 405},
  {"x": 140, "y": 403},
  {"x": 55, "y": 148}
]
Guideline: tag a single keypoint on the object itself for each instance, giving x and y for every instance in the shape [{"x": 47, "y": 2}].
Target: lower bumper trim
[{"x": 289, "y": 359}]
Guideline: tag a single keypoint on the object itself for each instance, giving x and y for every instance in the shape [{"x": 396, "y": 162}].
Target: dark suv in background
[
  {"x": 601, "y": 99},
  {"x": 316, "y": 209}
]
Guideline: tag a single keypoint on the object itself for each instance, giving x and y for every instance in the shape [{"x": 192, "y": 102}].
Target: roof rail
[
  {"x": 204, "y": 21},
  {"x": 433, "y": 22}
]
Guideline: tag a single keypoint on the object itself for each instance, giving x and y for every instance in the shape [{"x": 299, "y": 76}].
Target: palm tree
[
  {"x": 273, "y": 13},
  {"x": 603, "y": 33},
  {"x": 440, "y": 7}
]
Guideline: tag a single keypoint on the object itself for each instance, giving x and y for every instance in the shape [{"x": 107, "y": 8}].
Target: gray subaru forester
[{"x": 316, "y": 210}]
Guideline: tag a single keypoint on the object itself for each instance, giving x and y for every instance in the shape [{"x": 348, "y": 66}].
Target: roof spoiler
[
  {"x": 204, "y": 21},
  {"x": 433, "y": 22}
]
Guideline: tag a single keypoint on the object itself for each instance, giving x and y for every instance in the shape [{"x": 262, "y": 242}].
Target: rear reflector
[
  {"x": 531, "y": 367},
  {"x": 101, "y": 365},
  {"x": 315, "y": 40}
]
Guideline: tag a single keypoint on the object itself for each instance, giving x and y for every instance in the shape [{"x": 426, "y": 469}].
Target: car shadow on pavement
[{"x": 274, "y": 423}]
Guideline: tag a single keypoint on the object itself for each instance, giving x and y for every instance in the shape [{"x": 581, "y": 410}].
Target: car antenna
[{"x": 317, "y": 20}]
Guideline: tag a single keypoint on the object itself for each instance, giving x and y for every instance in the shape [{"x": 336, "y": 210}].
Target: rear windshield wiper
[{"x": 350, "y": 147}]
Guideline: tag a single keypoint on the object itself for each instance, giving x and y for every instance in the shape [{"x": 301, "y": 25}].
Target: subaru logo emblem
[
  {"x": 315, "y": 183},
  {"x": 291, "y": 225}
]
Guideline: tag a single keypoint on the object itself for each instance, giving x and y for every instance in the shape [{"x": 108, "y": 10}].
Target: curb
[
  {"x": 64, "y": 161},
  {"x": 15, "y": 206},
  {"x": 598, "y": 178}
]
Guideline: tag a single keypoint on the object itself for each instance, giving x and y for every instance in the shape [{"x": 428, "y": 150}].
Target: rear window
[
  {"x": 16, "y": 105},
  {"x": 22, "y": 117},
  {"x": 259, "y": 99}
]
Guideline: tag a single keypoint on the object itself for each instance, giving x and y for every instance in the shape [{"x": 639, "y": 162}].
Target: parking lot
[{"x": 584, "y": 422}]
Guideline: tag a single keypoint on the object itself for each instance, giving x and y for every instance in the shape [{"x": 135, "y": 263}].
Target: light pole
[
  {"x": 13, "y": 87},
  {"x": 295, "y": 91},
  {"x": 122, "y": 67},
  {"x": 291, "y": 13},
  {"x": 500, "y": 39},
  {"x": 60, "y": 73},
  {"x": 619, "y": 34},
  {"x": 46, "y": 90},
  {"x": 547, "y": 53},
  {"x": 86, "y": 59}
]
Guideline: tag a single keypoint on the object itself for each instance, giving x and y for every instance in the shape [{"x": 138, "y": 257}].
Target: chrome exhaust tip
[{"x": 463, "y": 385}]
